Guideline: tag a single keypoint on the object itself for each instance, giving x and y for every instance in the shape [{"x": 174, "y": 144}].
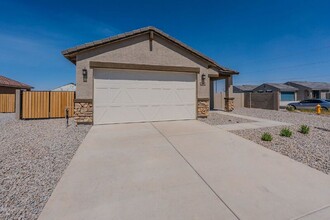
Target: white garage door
[{"x": 122, "y": 96}]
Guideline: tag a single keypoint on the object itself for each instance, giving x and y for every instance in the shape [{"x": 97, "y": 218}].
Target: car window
[
  {"x": 315, "y": 101},
  {"x": 305, "y": 101}
]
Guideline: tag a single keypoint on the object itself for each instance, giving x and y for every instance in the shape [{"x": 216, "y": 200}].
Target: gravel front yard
[
  {"x": 285, "y": 116},
  {"x": 33, "y": 156},
  {"x": 218, "y": 119},
  {"x": 312, "y": 149}
]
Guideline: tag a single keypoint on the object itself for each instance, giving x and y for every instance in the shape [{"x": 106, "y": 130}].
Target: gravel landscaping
[
  {"x": 286, "y": 116},
  {"x": 33, "y": 156},
  {"x": 312, "y": 149},
  {"x": 218, "y": 119}
]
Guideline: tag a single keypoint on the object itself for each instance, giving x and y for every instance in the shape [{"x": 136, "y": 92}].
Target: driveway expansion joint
[
  {"x": 312, "y": 212},
  {"x": 215, "y": 193}
]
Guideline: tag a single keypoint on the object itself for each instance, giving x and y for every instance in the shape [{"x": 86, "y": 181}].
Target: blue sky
[{"x": 267, "y": 41}]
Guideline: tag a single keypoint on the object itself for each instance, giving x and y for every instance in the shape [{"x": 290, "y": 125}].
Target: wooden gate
[
  {"x": 59, "y": 101},
  {"x": 7, "y": 103},
  {"x": 47, "y": 104}
]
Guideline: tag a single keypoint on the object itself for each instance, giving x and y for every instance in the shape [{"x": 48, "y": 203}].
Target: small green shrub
[
  {"x": 286, "y": 132},
  {"x": 266, "y": 137},
  {"x": 304, "y": 129},
  {"x": 290, "y": 108}
]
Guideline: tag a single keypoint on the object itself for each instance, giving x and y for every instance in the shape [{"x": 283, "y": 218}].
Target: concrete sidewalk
[
  {"x": 184, "y": 170},
  {"x": 257, "y": 122}
]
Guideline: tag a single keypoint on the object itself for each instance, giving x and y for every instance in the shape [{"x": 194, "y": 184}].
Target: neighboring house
[
  {"x": 244, "y": 88},
  {"x": 70, "y": 87},
  {"x": 9, "y": 86},
  {"x": 287, "y": 93},
  {"x": 143, "y": 75},
  {"x": 309, "y": 90}
]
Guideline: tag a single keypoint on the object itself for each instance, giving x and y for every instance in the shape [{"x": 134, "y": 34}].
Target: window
[
  {"x": 316, "y": 94},
  {"x": 287, "y": 96}
]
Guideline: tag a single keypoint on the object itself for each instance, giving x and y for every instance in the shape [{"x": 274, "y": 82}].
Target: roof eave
[
  {"x": 71, "y": 53},
  {"x": 17, "y": 87}
]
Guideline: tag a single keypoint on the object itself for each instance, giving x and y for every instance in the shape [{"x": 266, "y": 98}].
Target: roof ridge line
[{"x": 69, "y": 53}]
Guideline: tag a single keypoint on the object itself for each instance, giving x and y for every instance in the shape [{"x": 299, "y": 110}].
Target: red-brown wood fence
[{"x": 46, "y": 104}]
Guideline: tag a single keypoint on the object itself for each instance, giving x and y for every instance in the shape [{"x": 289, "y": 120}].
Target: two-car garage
[
  {"x": 122, "y": 96},
  {"x": 141, "y": 76}
]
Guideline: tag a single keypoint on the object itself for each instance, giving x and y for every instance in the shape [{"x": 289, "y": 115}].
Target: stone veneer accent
[
  {"x": 203, "y": 107},
  {"x": 83, "y": 111},
  {"x": 229, "y": 104}
]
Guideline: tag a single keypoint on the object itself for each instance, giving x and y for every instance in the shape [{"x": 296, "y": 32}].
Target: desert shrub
[
  {"x": 286, "y": 132},
  {"x": 304, "y": 129},
  {"x": 289, "y": 108},
  {"x": 266, "y": 137}
]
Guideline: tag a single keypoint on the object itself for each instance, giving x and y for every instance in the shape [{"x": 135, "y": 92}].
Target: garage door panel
[
  {"x": 135, "y": 96},
  {"x": 185, "y": 95},
  {"x": 172, "y": 98},
  {"x": 106, "y": 115},
  {"x": 105, "y": 94},
  {"x": 173, "y": 112}
]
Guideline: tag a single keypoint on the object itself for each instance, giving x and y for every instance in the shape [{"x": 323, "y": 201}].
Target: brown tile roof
[
  {"x": 71, "y": 52},
  {"x": 6, "y": 82}
]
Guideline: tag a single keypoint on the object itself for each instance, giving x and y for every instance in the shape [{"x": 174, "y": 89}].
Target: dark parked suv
[{"x": 311, "y": 104}]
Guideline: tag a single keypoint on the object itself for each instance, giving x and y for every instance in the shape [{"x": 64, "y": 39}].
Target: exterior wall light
[
  {"x": 84, "y": 73},
  {"x": 203, "y": 77}
]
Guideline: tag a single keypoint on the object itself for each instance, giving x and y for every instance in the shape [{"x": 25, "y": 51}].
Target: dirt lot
[{"x": 33, "y": 156}]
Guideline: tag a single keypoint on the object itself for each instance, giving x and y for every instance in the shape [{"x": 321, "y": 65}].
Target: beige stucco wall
[
  {"x": 219, "y": 100},
  {"x": 323, "y": 94},
  {"x": 137, "y": 51}
]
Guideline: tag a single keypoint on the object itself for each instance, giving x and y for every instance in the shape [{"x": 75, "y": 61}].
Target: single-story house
[
  {"x": 287, "y": 93},
  {"x": 9, "y": 86},
  {"x": 308, "y": 90},
  {"x": 70, "y": 87},
  {"x": 244, "y": 88},
  {"x": 143, "y": 75}
]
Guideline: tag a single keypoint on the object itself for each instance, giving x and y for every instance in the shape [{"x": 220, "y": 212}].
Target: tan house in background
[
  {"x": 311, "y": 90},
  {"x": 70, "y": 87},
  {"x": 143, "y": 75},
  {"x": 244, "y": 88}
]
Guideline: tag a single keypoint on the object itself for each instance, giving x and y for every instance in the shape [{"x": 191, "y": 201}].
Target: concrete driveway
[{"x": 184, "y": 170}]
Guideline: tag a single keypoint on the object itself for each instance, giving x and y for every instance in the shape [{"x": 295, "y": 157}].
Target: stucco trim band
[
  {"x": 83, "y": 100},
  {"x": 131, "y": 66}
]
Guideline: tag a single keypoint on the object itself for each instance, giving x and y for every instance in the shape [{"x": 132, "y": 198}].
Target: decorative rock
[
  {"x": 33, "y": 157},
  {"x": 312, "y": 149},
  {"x": 219, "y": 119},
  {"x": 203, "y": 107},
  {"x": 229, "y": 104},
  {"x": 83, "y": 112}
]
